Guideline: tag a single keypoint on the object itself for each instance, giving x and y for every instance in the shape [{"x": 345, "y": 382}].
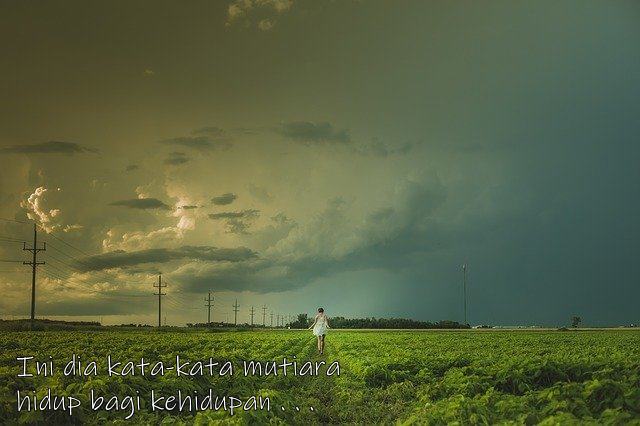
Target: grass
[{"x": 435, "y": 377}]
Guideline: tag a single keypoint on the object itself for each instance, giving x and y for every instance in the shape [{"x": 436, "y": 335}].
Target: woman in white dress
[{"x": 320, "y": 326}]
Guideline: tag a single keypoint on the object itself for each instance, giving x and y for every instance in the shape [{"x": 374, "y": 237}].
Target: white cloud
[{"x": 36, "y": 210}]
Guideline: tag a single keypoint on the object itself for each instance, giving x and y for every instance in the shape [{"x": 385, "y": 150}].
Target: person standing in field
[{"x": 320, "y": 326}]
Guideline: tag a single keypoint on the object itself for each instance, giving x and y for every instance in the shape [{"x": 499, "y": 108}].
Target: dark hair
[{"x": 320, "y": 310}]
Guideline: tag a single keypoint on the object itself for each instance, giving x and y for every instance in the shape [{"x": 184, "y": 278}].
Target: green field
[{"x": 434, "y": 377}]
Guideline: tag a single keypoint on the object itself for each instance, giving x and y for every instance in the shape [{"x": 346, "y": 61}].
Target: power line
[
  {"x": 81, "y": 262},
  {"x": 11, "y": 238},
  {"x": 8, "y": 242},
  {"x": 68, "y": 244},
  {"x": 13, "y": 220},
  {"x": 69, "y": 276},
  {"x": 101, "y": 273},
  {"x": 179, "y": 305}
]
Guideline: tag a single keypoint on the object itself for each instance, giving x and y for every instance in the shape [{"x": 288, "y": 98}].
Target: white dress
[{"x": 321, "y": 325}]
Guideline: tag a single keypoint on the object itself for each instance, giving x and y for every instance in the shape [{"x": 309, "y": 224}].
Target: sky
[{"x": 294, "y": 154}]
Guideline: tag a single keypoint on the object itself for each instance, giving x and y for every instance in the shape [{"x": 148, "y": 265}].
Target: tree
[
  {"x": 301, "y": 322},
  {"x": 575, "y": 321}
]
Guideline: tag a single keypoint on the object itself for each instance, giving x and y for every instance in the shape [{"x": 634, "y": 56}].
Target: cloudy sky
[{"x": 296, "y": 154}]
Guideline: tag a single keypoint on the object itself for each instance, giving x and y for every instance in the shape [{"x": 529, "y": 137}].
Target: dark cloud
[
  {"x": 176, "y": 159},
  {"x": 142, "y": 204},
  {"x": 188, "y": 207},
  {"x": 224, "y": 199},
  {"x": 237, "y": 222},
  {"x": 202, "y": 143},
  {"x": 309, "y": 132},
  {"x": 378, "y": 148},
  {"x": 123, "y": 259},
  {"x": 238, "y": 226},
  {"x": 281, "y": 218},
  {"x": 250, "y": 213},
  {"x": 389, "y": 238},
  {"x": 259, "y": 192},
  {"x": 51, "y": 147},
  {"x": 131, "y": 167},
  {"x": 248, "y": 130},
  {"x": 212, "y": 131}
]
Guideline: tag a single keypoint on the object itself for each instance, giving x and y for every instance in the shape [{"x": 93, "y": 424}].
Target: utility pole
[
  {"x": 264, "y": 314},
  {"x": 160, "y": 286},
  {"x": 464, "y": 287},
  {"x": 271, "y": 319},
  {"x": 208, "y": 305},
  {"x": 235, "y": 313},
  {"x": 34, "y": 264},
  {"x": 252, "y": 316}
]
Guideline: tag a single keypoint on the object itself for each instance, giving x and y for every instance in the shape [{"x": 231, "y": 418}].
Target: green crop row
[{"x": 430, "y": 377}]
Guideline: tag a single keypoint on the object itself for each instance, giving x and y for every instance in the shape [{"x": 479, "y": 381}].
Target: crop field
[{"x": 406, "y": 377}]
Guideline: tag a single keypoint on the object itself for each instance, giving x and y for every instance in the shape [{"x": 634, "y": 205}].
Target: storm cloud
[
  {"x": 224, "y": 199},
  {"x": 201, "y": 143},
  {"x": 212, "y": 131},
  {"x": 387, "y": 238},
  {"x": 50, "y": 147},
  {"x": 237, "y": 222},
  {"x": 310, "y": 133},
  {"x": 176, "y": 159},
  {"x": 244, "y": 214},
  {"x": 396, "y": 156},
  {"x": 142, "y": 204},
  {"x": 122, "y": 259}
]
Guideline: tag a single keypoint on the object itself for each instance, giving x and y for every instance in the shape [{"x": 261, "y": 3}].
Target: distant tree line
[
  {"x": 219, "y": 325},
  {"x": 47, "y": 324},
  {"x": 303, "y": 321}
]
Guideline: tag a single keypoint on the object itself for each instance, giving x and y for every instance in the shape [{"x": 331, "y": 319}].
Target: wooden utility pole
[
  {"x": 264, "y": 314},
  {"x": 464, "y": 290},
  {"x": 209, "y": 300},
  {"x": 34, "y": 264},
  {"x": 160, "y": 286},
  {"x": 235, "y": 313}
]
